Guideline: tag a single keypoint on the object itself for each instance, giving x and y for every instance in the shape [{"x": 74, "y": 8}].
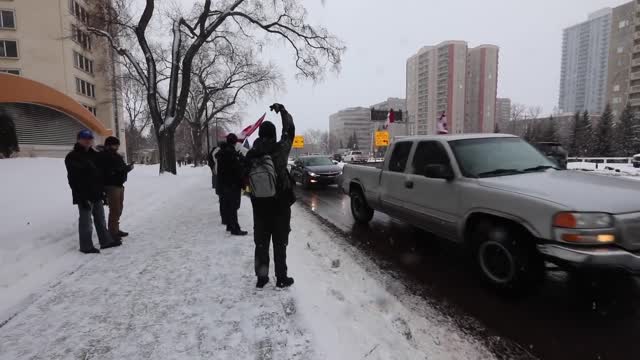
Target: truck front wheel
[
  {"x": 506, "y": 257},
  {"x": 360, "y": 210}
]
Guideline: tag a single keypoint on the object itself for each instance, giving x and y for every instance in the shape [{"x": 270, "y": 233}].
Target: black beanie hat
[
  {"x": 232, "y": 139},
  {"x": 111, "y": 140},
  {"x": 267, "y": 130}
]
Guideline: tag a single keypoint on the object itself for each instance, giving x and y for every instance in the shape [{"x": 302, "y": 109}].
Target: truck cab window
[
  {"x": 399, "y": 157},
  {"x": 429, "y": 153}
]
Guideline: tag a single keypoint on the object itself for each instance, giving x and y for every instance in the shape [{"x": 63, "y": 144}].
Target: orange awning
[{"x": 17, "y": 89}]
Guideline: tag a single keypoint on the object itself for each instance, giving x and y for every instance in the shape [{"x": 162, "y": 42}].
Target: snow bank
[{"x": 624, "y": 170}]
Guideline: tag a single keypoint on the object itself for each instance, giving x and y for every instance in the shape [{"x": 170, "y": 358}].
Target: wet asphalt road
[{"x": 564, "y": 319}]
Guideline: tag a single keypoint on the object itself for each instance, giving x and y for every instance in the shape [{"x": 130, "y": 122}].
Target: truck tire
[
  {"x": 360, "y": 210},
  {"x": 506, "y": 257}
]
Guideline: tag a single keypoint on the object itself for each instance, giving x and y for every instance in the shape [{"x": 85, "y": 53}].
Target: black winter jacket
[
  {"x": 230, "y": 169},
  {"x": 115, "y": 169},
  {"x": 85, "y": 174}
]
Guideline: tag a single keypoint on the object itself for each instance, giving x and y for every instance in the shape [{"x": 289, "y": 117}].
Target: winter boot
[
  {"x": 90, "y": 251},
  {"x": 115, "y": 243},
  {"x": 239, "y": 232},
  {"x": 262, "y": 281},
  {"x": 123, "y": 233},
  {"x": 284, "y": 282}
]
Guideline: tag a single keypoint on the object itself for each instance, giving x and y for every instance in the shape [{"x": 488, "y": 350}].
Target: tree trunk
[
  {"x": 167, "y": 151},
  {"x": 196, "y": 144}
]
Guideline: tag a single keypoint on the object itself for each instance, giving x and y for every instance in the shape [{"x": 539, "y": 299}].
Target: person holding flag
[{"x": 442, "y": 126}]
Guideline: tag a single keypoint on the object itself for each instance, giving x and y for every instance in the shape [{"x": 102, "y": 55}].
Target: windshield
[
  {"x": 356, "y": 153},
  {"x": 317, "y": 161},
  {"x": 498, "y": 157}
]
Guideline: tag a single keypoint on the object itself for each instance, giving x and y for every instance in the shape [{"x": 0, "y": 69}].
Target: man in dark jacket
[
  {"x": 230, "y": 183},
  {"x": 272, "y": 216},
  {"x": 86, "y": 180},
  {"x": 115, "y": 175}
]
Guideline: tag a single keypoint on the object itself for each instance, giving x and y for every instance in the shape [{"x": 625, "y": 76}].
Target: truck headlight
[
  {"x": 584, "y": 228},
  {"x": 572, "y": 220}
]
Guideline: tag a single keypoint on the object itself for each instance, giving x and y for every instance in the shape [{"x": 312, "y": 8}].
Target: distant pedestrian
[
  {"x": 115, "y": 175},
  {"x": 230, "y": 183},
  {"x": 272, "y": 197},
  {"x": 86, "y": 179}
]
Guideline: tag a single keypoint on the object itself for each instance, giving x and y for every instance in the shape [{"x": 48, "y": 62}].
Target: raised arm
[{"x": 288, "y": 127}]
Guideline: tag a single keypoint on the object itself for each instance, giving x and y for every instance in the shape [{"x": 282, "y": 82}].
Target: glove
[{"x": 277, "y": 108}]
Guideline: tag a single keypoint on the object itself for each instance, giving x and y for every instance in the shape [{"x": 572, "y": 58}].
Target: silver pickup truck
[{"x": 512, "y": 206}]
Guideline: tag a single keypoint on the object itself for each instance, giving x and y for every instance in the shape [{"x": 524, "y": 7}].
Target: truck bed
[{"x": 368, "y": 176}]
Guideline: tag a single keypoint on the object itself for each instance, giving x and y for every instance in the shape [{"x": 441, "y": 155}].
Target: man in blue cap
[{"x": 86, "y": 179}]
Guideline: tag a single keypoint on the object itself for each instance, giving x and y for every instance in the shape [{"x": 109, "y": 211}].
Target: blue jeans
[{"x": 85, "y": 228}]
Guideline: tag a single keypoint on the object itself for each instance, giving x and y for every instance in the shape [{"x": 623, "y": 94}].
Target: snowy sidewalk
[{"x": 182, "y": 288}]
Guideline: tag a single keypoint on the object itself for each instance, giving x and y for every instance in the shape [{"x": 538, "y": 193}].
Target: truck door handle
[{"x": 408, "y": 184}]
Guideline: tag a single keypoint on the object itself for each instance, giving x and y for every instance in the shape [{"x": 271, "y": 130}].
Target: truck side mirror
[{"x": 439, "y": 171}]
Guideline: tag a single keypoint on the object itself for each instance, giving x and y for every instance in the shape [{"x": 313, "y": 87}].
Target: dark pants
[
  {"x": 230, "y": 202},
  {"x": 115, "y": 198},
  {"x": 85, "y": 228},
  {"x": 271, "y": 223},
  {"x": 214, "y": 179}
]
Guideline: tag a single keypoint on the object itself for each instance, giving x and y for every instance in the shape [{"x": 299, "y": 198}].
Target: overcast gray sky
[{"x": 382, "y": 34}]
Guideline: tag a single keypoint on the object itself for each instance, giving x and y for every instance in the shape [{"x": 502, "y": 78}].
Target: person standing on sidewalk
[
  {"x": 272, "y": 215},
  {"x": 115, "y": 175},
  {"x": 230, "y": 183},
  {"x": 86, "y": 179}
]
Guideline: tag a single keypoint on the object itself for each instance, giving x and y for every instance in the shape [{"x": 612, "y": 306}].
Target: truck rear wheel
[
  {"x": 506, "y": 256},
  {"x": 360, "y": 210}
]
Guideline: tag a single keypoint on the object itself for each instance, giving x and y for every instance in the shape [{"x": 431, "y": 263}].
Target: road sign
[
  {"x": 382, "y": 138},
  {"x": 298, "y": 142}
]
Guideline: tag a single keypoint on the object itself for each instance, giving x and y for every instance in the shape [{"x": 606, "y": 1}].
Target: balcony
[
  {"x": 634, "y": 89},
  {"x": 636, "y": 49},
  {"x": 634, "y": 102},
  {"x": 635, "y": 62},
  {"x": 634, "y": 76}
]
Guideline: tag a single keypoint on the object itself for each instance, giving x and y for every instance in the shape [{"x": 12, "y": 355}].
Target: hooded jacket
[{"x": 85, "y": 175}]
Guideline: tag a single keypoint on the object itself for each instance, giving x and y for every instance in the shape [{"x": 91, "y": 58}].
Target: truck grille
[{"x": 629, "y": 227}]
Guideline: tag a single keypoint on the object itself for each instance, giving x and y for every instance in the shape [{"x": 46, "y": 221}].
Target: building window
[
  {"x": 616, "y": 88},
  {"x": 91, "y": 109},
  {"x": 7, "y": 19},
  {"x": 85, "y": 88},
  {"x": 623, "y": 24},
  {"x": 10, "y": 71},
  {"x": 78, "y": 11},
  {"x": 616, "y": 100},
  {"x": 8, "y": 48},
  {"x": 81, "y": 37},
  {"x": 620, "y": 50},
  {"x": 82, "y": 63}
]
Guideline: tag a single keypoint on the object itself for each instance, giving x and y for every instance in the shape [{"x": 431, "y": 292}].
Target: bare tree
[
  {"x": 220, "y": 77},
  {"x": 318, "y": 139},
  {"x": 517, "y": 113},
  {"x": 208, "y": 23},
  {"x": 136, "y": 113},
  {"x": 533, "y": 112}
]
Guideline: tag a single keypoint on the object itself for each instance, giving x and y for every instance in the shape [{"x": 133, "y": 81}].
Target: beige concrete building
[
  {"x": 634, "y": 74},
  {"x": 438, "y": 80},
  {"x": 44, "y": 41},
  {"x": 620, "y": 51},
  {"x": 481, "y": 89}
]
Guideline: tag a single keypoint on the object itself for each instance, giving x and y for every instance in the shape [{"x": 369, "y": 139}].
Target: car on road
[
  {"x": 554, "y": 151},
  {"x": 506, "y": 202},
  {"x": 315, "y": 170},
  {"x": 355, "y": 156},
  {"x": 635, "y": 161}
]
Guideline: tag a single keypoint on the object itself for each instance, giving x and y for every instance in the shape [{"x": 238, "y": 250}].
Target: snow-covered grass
[
  {"x": 181, "y": 287},
  {"x": 624, "y": 170}
]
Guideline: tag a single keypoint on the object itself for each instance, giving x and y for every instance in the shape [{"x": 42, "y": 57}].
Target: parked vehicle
[
  {"x": 554, "y": 151},
  {"x": 636, "y": 161},
  {"x": 355, "y": 156},
  {"x": 337, "y": 157},
  {"x": 504, "y": 200},
  {"x": 315, "y": 170}
]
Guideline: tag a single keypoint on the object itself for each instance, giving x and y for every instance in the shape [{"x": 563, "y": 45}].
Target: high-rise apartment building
[
  {"x": 345, "y": 123},
  {"x": 585, "y": 60},
  {"x": 453, "y": 79},
  {"x": 481, "y": 89},
  {"x": 44, "y": 41},
  {"x": 503, "y": 111},
  {"x": 634, "y": 74},
  {"x": 621, "y": 45}
]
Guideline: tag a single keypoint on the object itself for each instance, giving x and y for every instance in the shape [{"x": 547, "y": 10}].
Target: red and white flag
[
  {"x": 391, "y": 118},
  {"x": 442, "y": 126},
  {"x": 249, "y": 130}
]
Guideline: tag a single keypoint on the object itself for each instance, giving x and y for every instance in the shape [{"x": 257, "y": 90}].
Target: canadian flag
[
  {"x": 391, "y": 118},
  {"x": 249, "y": 130},
  {"x": 442, "y": 126}
]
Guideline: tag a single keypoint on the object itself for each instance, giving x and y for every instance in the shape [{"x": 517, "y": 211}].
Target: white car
[{"x": 355, "y": 157}]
